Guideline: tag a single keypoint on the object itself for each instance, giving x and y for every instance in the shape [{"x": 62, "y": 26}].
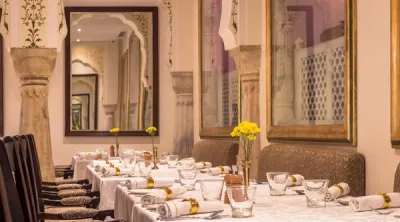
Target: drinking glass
[
  {"x": 104, "y": 155},
  {"x": 172, "y": 161},
  {"x": 315, "y": 191},
  {"x": 277, "y": 182},
  {"x": 241, "y": 199},
  {"x": 163, "y": 158},
  {"x": 145, "y": 168},
  {"x": 99, "y": 153},
  {"x": 187, "y": 177},
  {"x": 212, "y": 189},
  {"x": 125, "y": 155}
]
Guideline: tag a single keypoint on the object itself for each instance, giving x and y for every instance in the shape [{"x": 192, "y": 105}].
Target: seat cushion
[
  {"x": 396, "y": 187},
  {"x": 219, "y": 153},
  {"x": 72, "y": 193},
  {"x": 315, "y": 163}
]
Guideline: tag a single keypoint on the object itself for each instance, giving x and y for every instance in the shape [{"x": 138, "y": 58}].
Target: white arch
[
  {"x": 85, "y": 65},
  {"x": 225, "y": 32},
  {"x": 137, "y": 32},
  {"x": 81, "y": 17}
]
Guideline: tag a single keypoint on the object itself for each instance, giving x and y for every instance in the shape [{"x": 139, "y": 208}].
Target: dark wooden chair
[{"x": 22, "y": 191}]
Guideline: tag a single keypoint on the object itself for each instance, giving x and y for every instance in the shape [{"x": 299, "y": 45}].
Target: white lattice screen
[
  {"x": 229, "y": 100},
  {"x": 319, "y": 83}
]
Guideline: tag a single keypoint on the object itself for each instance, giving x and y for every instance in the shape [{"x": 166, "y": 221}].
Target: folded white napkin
[
  {"x": 86, "y": 155},
  {"x": 374, "y": 201},
  {"x": 173, "y": 209},
  {"x": 220, "y": 170},
  {"x": 161, "y": 195},
  {"x": 202, "y": 165},
  {"x": 103, "y": 169},
  {"x": 295, "y": 180},
  {"x": 95, "y": 163},
  {"x": 142, "y": 183},
  {"x": 336, "y": 191},
  {"x": 117, "y": 171}
]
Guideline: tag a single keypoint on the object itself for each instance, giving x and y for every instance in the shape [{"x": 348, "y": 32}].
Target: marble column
[
  {"x": 248, "y": 61},
  {"x": 109, "y": 110},
  {"x": 34, "y": 66},
  {"x": 182, "y": 83}
]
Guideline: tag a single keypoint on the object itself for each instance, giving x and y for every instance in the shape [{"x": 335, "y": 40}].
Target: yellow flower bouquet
[
  {"x": 246, "y": 131},
  {"x": 152, "y": 132},
  {"x": 116, "y": 130}
]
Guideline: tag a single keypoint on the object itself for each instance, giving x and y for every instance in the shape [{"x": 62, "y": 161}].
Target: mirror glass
[
  {"x": 111, "y": 71},
  {"x": 308, "y": 62},
  {"x": 219, "y": 77}
]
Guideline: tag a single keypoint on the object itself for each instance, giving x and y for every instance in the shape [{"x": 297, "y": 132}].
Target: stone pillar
[
  {"x": 109, "y": 110},
  {"x": 132, "y": 117},
  {"x": 34, "y": 66},
  {"x": 182, "y": 83},
  {"x": 248, "y": 61}
]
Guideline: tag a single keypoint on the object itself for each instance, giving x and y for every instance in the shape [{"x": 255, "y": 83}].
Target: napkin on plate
[
  {"x": 375, "y": 201},
  {"x": 161, "y": 195},
  {"x": 173, "y": 209},
  {"x": 336, "y": 191},
  {"x": 295, "y": 180},
  {"x": 220, "y": 170},
  {"x": 201, "y": 165},
  {"x": 117, "y": 171},
  {"x": 145, "y": 183}
]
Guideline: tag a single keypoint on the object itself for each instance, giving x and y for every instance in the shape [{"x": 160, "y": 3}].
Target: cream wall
[
  {"x": 373, "y": 95},
  {"x": 64, "y": 147}
]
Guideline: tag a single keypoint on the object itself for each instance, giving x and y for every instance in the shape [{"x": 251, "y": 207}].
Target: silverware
[
  {"x": 343, "y": 202},
  {"x": 209, "y": 217},
  {"x": 380, "y": 212}
]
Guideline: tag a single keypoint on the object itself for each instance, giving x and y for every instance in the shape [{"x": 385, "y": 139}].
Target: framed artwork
[
  {"x": 218, "y": 78},
  {"x": 311, "y": 71},
  {"x": 395, "y": 73}
]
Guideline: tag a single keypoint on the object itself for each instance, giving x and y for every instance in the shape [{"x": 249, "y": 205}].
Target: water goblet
[
  {"x": 212, "y": 189},
  {"x": 187, "y": 178},
  {"x": 172, "y": 161},
  {"x": 241, "y": 199},
  {"x": 145, "y": 168},
  {"x": 315, "y": 191},
  {"x": 163, "y": 158},
  {"x": 277, "y": 182}
]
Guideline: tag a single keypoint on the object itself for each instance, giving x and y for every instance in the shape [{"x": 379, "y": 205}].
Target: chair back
[
  {"x": 219, "y": 153},
  {"x": 396, "y": 186},
  {"x": 11, "y": 208},
  {"x": 315, "y": 163}
]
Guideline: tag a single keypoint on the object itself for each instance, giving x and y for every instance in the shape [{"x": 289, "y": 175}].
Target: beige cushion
[
  {"x": 315, "y": 163},
  {"x": 219, "y": 153},
  {"x": 396, "y": 187}
]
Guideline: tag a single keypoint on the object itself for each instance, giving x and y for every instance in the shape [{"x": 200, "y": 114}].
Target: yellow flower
[
  {"x": 114, "y": 130},
  {"x": 151, "y": 130},
  {"x": 235, "y": 132},
  {"x": 246, "y": 128},
  {"x": 251, "y": 137}
]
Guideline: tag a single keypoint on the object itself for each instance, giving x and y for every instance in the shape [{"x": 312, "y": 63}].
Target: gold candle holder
[
  {"x": 246, "y": 172},
  {"x": 155, "y": 152}
]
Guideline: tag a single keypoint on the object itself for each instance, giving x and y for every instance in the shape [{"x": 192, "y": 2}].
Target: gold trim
[
  {"x": 387, "y": 200},
  {"x": 395, "y": 72},
  {"x": 150, "y": 183},
  {"x": 194, "y": 205},
  {"x": 340, "y": 188},
  {"x": 222, "y": 169},
  {"x": 332, "y": 134},
  {"x": 169, "y": 193},
  {"x": 209, "y": 132},
  {"x": 294, "y": 180},
  {"x": 117, "y": 171}
]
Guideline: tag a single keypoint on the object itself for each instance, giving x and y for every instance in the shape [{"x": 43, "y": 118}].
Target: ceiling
[{"x": 99, "y": 27}]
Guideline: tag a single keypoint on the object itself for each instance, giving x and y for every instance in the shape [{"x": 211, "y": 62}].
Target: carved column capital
[
  {"x": 109, "y": 109},
  {"x": 182, "y": 82},
  {"x": 34, "y": 63},
  {"x": 247, "y": 59}
]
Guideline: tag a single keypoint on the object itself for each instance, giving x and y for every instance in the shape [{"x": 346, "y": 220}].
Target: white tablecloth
[
  {"x": 108, "y": 185},
  {"x": 289, "y": 208},
  {"x": 79, "y": 167}
]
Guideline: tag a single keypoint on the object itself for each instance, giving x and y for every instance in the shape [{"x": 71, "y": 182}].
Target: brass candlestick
[{"x": 155, "y": 151}]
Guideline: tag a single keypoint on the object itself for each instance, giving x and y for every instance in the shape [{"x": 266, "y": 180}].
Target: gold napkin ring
[
  {"x": 340, "y": 188},
  {"x": 111, "y": 165},
  {"x": 222, "y": 169},
  {"x": 98, "y": 156},
  {"x": 194, "y": 205},
  {"x": 107, "y": 162},
  {"x": 150, "y": 183},
  {"x": 204, "y": 163},
  {"x": 294, "y": 180},
  {"x": 117, "y": 171},
  {"x": 387, "y": 200},
  {"x": 169, "y": 193}
]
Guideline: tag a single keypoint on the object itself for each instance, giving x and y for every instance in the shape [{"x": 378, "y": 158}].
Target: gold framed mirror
[
  {"x": 311, "y": 71},
  {"x": 219, "y": 86},
  {"x": 395, "y": 72}
]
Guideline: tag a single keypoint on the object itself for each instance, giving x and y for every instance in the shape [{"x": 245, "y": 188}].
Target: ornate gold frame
[
  {"x": 334, "y": 134},
  {"x": 209, "y": 132},
  {"x": 395, "y": 72}
]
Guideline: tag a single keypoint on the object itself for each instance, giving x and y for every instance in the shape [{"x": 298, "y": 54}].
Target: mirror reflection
[
  {"x": 308, "y": 62},
  {"x": 111, "y": 71}
]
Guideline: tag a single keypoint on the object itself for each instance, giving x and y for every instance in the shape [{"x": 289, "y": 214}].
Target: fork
[{"x": 381, "y": 213}]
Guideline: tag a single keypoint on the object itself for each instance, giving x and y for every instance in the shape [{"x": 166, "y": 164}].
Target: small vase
[
  {"x": 155, "y": 152},
  {"x": 246, "y": 172},
  {"x": 117, "y": 146}
]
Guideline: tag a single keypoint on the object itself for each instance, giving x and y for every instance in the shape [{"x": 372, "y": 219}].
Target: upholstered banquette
[
  {"x": 219, "y": 153},
  {"x": 315, "y": 163}
]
